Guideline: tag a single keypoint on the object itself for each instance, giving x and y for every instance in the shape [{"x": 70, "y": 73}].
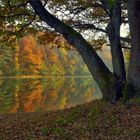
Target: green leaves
[{"x": 111, "y": 3}]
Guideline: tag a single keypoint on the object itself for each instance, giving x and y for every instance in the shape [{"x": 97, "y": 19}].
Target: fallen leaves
[{"x": 96, "y": 120}]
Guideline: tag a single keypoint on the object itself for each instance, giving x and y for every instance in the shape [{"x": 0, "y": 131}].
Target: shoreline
[{"x": 40, "y": 76}]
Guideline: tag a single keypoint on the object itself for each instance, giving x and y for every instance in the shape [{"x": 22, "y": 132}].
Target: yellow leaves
[
  {"x": 52, "y": 40},
  {"x": 30, "y": 57},
  {"x": 29, "y": 40},
  {"x": 73, "y": 62},
  {"x": 62, "y": 102},
  {"x": 53, "y": 58},
  {"x": 64, "y": 52},
  {"x": 45, "y": 37},
  {"x": 53, "y": 94}
]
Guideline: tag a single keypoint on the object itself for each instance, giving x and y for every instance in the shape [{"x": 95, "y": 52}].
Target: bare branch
[
  {"x": 124, "y": 47},
  {"x": 29, "y": 23},
  {"x": 16, "y": 15},
  {"x": 83, "y": 8},
  {"x": 101, "y": 6},
  {"x": 18, "y": 5},
  {"x": 128, "y": 40}
]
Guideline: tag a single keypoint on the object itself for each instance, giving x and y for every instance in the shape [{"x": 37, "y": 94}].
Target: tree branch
[
  {"x": 101, "y": 6},
  {"x": 128, "y": 40},
  {"x": 16, "y": 15},
  {"x": 88, "y": 26},
  {"x": 124, "y": 47},
  {"x": 29, "y": 23},
  {"x": 78, "y": 10},
  {"x": 18, "y": 5},
  {"x": 94, "y": 63},
  {"x": 83, "y": 8}
]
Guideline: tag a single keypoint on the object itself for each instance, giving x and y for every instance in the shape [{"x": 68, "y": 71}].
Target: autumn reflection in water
[{"x": 46, "y": 94}]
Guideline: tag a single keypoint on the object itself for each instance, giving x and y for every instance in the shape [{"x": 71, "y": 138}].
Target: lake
[
  {"x": 36, "y": 94},
  {"x": 46, "y": 94}
]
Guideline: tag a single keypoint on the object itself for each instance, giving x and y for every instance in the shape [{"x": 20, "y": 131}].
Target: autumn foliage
[{"x": 43, "y": 54}]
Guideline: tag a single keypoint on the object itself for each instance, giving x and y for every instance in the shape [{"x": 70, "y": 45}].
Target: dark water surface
[{"x": 46, "y": 94}]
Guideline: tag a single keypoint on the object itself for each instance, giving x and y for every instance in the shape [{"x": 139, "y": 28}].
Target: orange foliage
[
  {"x": 53, "y": 94},
  {"x": 33, "y": 100},
  {"x": 30, "y": 55}
]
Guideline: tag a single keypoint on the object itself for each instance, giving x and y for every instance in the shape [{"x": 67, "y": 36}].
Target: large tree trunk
[
  {"x": 134, "y": 66},
  {"x": 109, "y": 85},
  {"x": 113, "y": 30}
]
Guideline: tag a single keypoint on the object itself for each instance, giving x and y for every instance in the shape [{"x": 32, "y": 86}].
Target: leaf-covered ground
[{"x": 93, "y": 121}]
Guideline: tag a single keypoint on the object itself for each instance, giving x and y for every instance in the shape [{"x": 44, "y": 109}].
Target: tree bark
[
  {"x": 113, "y": 31},
  {"x": 134, "y": 65},
  {"x": 109, "y": 85}
]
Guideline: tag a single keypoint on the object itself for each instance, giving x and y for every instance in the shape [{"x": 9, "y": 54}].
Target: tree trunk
[
  {"x": 134, "y": 65},
  {"x": 109, "y": 85},
  {"x": 113, "y": 30}
]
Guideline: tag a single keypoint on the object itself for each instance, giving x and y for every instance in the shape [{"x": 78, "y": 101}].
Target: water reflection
[{"x": 46, "y": 94}]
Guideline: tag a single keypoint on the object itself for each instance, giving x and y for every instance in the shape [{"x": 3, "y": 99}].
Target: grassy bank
[{"x": 96, "y": 120}]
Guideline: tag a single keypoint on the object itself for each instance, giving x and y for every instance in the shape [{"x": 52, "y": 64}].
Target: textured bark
[
  {"x": 113, "y": 31},
  {"x": 134, "y": 66},
  {"x": 109, "y": 85}
]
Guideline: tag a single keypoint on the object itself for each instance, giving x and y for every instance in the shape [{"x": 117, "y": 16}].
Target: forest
[
  {"x": 28, "y": 57},
  {"x": 103, "y": 20},
  {"x": 69, "y": 69}
]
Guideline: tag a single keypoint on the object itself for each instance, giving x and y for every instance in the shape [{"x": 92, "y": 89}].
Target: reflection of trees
[
  {"x": 73, "y": 91},
  {"x": 8, "y": 94},
  {"x": 60, "y": 101},
  {"x": 45, "y": 94},
  {"x": 30, "y": 94},
  {"x": 51, "y": 93},
  {"x": 83, "y": 92}
]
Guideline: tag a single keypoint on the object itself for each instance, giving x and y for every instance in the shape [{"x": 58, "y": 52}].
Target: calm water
[{"x": 46, "y": 94}]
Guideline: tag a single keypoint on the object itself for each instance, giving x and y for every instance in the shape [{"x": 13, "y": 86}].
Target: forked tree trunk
[
  {"x": 113, "y": 30},
  {"x": 109, "y": 85},
  {"x": 133, "y": 85}
]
